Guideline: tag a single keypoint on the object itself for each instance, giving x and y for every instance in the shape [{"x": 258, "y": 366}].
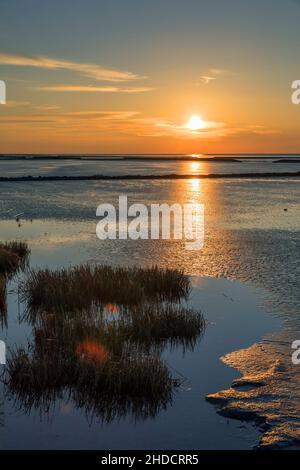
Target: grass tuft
[
  {"x": 13, "y": 257},
  {"x": 156, "y": 324},
  {"x": 98, "y": 333},
  {"x": 77, "y": 288},
  {"x": 139, "y": 385}
]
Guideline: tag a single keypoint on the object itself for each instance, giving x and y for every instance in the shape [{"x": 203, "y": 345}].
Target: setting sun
[{"x": 195, "y": 123}]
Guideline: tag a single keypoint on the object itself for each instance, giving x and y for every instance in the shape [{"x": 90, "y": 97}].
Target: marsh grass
[
  {"x": 98, "y": 333},
  {"x": 148, "y": 327},
  {"x": 109, "y": 368},
  {"x": 164, "y": 284},
  {"x": 77, "y": 288},
  {"x": 13, "y": 257},
  {"x": 139, "y": 385},
  {"x": 3, "y": 305},
  {"x": 155, "y": 324},
  {"x": 20, "y": 249},
  {"x": 9, "y": 262}
]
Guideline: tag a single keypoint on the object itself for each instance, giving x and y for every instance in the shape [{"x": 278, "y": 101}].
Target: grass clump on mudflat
[
  {"x": 77, "y": 288},
  {"x": 13, "y": 256},
  {"x": 20, "y": 249},
  {"x": 148, "y": 327},
  {"x": 109, "y": 368},
  {"x": 97, "y": 335},
  {"x": 140, "y": 385},
  {"x": 158, "y": 324}
]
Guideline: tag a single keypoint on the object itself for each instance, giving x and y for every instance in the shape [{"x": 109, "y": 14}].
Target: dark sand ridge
[{"x": 171, "y": 176}]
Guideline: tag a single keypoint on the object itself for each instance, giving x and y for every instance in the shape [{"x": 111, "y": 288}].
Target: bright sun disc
[{"x": 195, "y": 123}]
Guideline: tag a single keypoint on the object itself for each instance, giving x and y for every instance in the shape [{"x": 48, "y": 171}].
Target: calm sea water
[
  {"x": 252, "y": 236},
  {"x": 93, "y": 165}
]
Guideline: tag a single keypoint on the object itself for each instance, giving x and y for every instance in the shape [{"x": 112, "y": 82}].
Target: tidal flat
[{"x": 243, "y": 282}]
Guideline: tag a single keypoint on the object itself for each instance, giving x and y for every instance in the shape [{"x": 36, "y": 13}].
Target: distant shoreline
[
  {"x": 211, "y": 158},
  {"x": 170, "y": 176},
  {"x": 120, "y": 157}
]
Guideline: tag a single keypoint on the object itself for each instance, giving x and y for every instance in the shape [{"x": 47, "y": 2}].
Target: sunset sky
[{"x": 126, "y": 76}]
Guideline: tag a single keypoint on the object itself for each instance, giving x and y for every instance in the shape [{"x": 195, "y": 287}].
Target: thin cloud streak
[
  {"x": 126, "y": 123},
  {"x": 213, "y": 74},
  {"x": 92, "y": 89},
  {"x": 94, "y": 71},
  {"x": 70, "y": 116},
  {"x": 16, "y": 104},
  {"x": 102, "y": 114},
  {"x": 206, "y": 79}
]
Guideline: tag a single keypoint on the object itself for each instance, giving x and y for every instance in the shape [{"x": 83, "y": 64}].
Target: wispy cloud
[
  {"x": 110, "y": 115},
  {"x": 206, "y": 79},
  {"x": 210, "y": 129},
  {"x": 16, "y": 104},
  {"x": 93, "y": 71},
  {"x": 47, "y": 108},
  {"x": 260, "y": 130},
  {"x": 213, "y": 74},
  {"x": 68, "y": 117},
  {"x": 93, "y": 89},
  {"x": 109, "y": 124}
]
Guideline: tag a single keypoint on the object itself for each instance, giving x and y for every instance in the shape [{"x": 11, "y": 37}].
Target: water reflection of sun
[
  {"x": 196, "y": 167},
  {"x": 195, "y": 184}
]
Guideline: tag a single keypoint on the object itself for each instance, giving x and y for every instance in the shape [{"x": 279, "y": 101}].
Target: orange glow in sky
[{"x": 199, "y": 88}]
